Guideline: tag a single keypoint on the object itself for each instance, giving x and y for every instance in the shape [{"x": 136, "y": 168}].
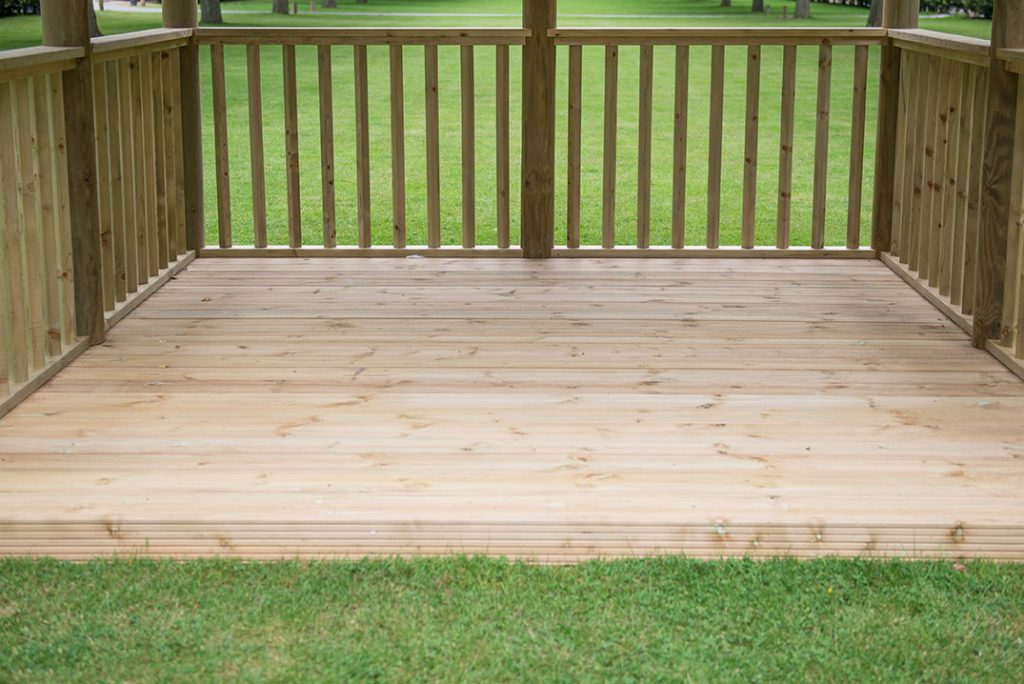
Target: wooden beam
[
  {"x": 896, "y": 14},
  {"x": 997, "y": 168},
  {"x": 537, "y": 205},
  {"x": 65, "y": 24}
]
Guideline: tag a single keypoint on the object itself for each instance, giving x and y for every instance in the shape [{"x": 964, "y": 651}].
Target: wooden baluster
[
  {"x": 256, "y": 155},
  {"x": 177, "y": 158},
  {"x": 974, "y": 191},
  {"x": 855, "y": 194},
  {"x": 680, "y": 116},
  {"x": 126, "y": 133},
  {"x": 949, "y": 180},
  {"x": 49, "y": 224},
  {"x": 717, "y": 111},
  {"x": 936, "y": 87},
  {"x": 159, "y": 159},
  {"x": 362, "y": 101},
  {"x": 291, "y": 143},
  {"x": 327, "y": 190},
  {"x": 170, "y": 84},
  {"x": 104, "y": 185},
  {"x": 963, "y": 165},
  {"x": 398, "y": 217},
  {"x": 220, "y": 137},
  {"x": 141, "y": 171},
  {"x": 117, "y": 196},
  {"x": 65, "y": 255},
  {"x": 575, "y": 145},
  {"x": 821, "y": 147},
  {"x": 643, "y": 186},
  {"x": 937, "y": 226},
  {"x": 611, "y": 104},
  {"x": 502, "y": 154},
  {"x": 28, "y": 215},
  {"x": 433, "y": 151},
  {"x": 468, "y": 148},
  {"x": 152, "y": 210},
  {"x": 1013, "y": 292},
  {"x": 901, "y": 176},
  {"x": 784, "y": 214},
  {"x": 14, "y": 314},
  {"x": 753, "y": 113},
  {"x": 915, "y": 226}
]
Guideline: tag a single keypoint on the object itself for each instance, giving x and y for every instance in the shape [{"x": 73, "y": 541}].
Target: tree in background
[
  {"x": 803, "y": 9},
  {"x": 726, "y": 3},
  {"x": 210, "y": 12},
  {"x": 280, "y": 7},
  {"x": 758, "y": 6},
  {"x": 330, "y": 4},
  {"x": 94, "y": 27},
  {"x": 875, "y": 13}
]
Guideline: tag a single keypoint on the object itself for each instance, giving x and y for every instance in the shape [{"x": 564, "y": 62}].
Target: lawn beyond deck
[{"x": 550, "y": 410}]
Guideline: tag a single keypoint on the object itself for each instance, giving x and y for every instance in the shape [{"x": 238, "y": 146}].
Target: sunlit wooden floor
[{"x": 548, "y": 410}]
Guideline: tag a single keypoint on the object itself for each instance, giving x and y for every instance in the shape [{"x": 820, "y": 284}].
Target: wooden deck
[{"x": 550, "y": 410}]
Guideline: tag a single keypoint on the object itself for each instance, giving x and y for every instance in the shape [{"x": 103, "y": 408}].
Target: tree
[
  {"x": 280, "y": 7},
  {"x": 94, "y": 27},
  {"x": 211, "y": 12},
  {"x": 330, "y": 4},
  {"x": 803, "y": 9},
  {"x": 758, "y": 6},
  {"x": 726, "y": 3},
  {"x": 875, "y": 13}
]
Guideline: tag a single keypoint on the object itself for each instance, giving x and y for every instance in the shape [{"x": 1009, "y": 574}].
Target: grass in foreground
[{"x": 458, "y": 619}]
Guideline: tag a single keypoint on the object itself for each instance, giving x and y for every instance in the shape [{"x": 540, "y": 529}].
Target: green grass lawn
[
  {"x": 461, "y": 619},
  {"x": 23, "y": 31}
]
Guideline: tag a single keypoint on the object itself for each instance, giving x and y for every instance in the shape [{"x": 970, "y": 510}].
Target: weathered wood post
[
  {"x": 537, "y": 209},
  {"x": 66, "y": 24},
  {"x": 896, "y": 14},
  {"x": 183, "y": 14},
  {"x": 996, "y": 174}
]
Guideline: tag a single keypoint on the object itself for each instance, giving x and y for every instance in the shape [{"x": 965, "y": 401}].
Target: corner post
[
  {"x": 183, "y": 14},
  {"x": 996, "y": 174},
  {"x": 538, "y": 173},
  {"x": 896, "y": 14},
  {"x": 66, "y": 24}
]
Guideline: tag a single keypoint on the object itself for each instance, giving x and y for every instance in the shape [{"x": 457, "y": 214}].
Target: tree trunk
[
  {"x": 803, "y": 9},
  {"x": 361, "y": 2},
  {"x": 211, "y": 12},
  {"x": 875, "y": 13},
  {"x": 94, "y": 27},
  {"x": 280, "y": 7},
  {"x": 726, "y": 3},
  {"x": 330, "y": 4},
  {"x": 758, "y": 6}
]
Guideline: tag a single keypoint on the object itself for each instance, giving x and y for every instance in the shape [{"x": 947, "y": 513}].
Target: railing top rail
[
  {"x": 361, "y": 36},
  {"x": 960, "y": 48},
  {"x": 37, "y": 60},
  {"x": 113, "y": 47},
  {"x": 717, "y": 36}
]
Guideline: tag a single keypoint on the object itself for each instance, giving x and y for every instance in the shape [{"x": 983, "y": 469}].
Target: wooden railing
[{"x": 37, "y": 301}]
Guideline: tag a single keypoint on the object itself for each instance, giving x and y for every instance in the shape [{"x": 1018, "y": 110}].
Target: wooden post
[
  {"x": 66, "y": 24},
  {"x": 183, "y": 14},
  {"x": 896, "y": 14},
  {"x": 538, "y": 182},
  {"x": 996, "y": 174}
]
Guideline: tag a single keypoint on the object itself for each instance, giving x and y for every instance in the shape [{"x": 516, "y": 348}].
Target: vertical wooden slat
[
  {"x": 575, "y": 142},
  {"x": 932, "y": 133},
  {"x": 28, "y": 214},
  {"x": 170, "y": 86},
  {"x": 433, "y": 151},
  {"x": 963, "y": 184},
  {"x": 362, "y": 102},
  {"x": 643, "y": 186},
  {"x": 753, "y": 114},
  {"x": 220, "y": 136},
  {"x": 256, "y": 156},
  {"x": 501, "y": 84},
  {"x": 855, "y": 193},
  {"x": 716, "y": 110},
  {"x": 398, "y": 227},
  {"x": 949, "y": 179},
  {"x": 291, "y": 146},
  {"x": 125, "y": 133},
  {"x": 680, "y": 116},
  {"x": 901, "y": 179},
  {"x": 821, "y": 146},
  {"x": 15, "y": 309},
  {"x": 139, "y": 235},
  {"x": 926, "y": 77},
  {"x": 65, "y": 255},
  {"x": 178, "y": 182},
  {"x": 1013, "y": 286},
  {"x": 152, "y": 211},
  {"x": 938, "y": 182},
  {"x": 327, "y": 189},
  {"x": 103, "y": 184},
  {"x": 468, "y": 147},
  {"x": 784, "y": 214},
  {"x": 117, "y": 195},
  {"x": 159, "y": 161},
  {"x": 49, "y": 226},
  {"x": 6, "y": 306},
  {"x": 974, "y": 190},
  {"x": 611, "y": 106}
]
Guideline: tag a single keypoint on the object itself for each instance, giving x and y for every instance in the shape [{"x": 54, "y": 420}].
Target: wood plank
[
  {"x": 291, "y": 144},
  {"x": 965, "y": 137},
  {"x": 131, "y": 193},
  {"x": 679, "y": 136},
  {"x": 362, "y": 121},
  {"x": 646, "y": 96},
  {"x": 788, "y": 108},
  {"x": 1013, "y": 292},
  {"x": 117, "y": 203},
  {"x": 949, "y": 181},
  {"x": 903, "y": 154},
  {"x": 717, "y": 111},
  {"x": 502, "y": 160},
  {"x": 751, "y": 126},
  {"x": 256, "y": 156},
  {"x": 65, "y": 257},
  {"x": 327, "y": 189},
  {"x": 611, "y": 127},
  {"x": 575, "y": 116},
  {"x": 309, "y": 35},
  {"x": 923, "y": 153},
  {"x": 468, "y": 99},
  {"x": 150, "y": 171},
  {"x": 433, "y": 147},
  {"x": 398, "y": 227},
  {"x": 16, "y": 311},
  {"x": 974, "y": 195},
  {"x": 174, "y": 161},
  {"x": 855, "y": 193},
  {"x": 718, "y": 36},
  {"x": 104, "y": 186},
  {"x": 821, "y": 146},
  {"x": 160, "y": 136},
  {"x": 937, "y": 184},
  {"x": 49, "y": 216}
]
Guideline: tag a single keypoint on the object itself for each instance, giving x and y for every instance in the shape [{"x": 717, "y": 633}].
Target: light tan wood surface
[{"x": 551, "y": 410}]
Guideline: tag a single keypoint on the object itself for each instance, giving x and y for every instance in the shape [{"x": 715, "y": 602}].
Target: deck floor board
[{"x": 551, "y": 410}]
